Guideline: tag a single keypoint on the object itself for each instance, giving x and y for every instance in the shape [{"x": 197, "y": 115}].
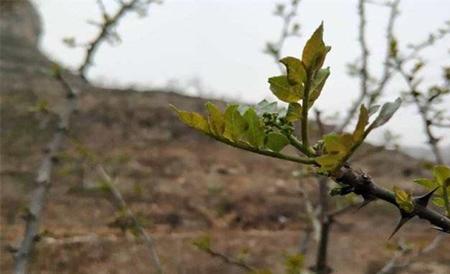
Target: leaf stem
[
  {"x": 308, "y": 151},
  {"x": 301, "y": 160}
]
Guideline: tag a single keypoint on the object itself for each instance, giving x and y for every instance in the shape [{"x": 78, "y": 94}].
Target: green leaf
[
  {"x": 276, "y": 141},
  {"x": 255, "y": 131},
  {"x": 315, "y": 51},
  {"x": 403, "y": 199},
  {"x": 203, "y": 242},
  {"x": 438, "y": 201},
  {"x": 317, "y": 85},
  {"x": 363, "y": 120},
  {"x": 285, "y": 91},
  {"x": 216, "y": 119},
  {"x": 430, "y": 184},
  {"x": 386, "y": 113},
  {"x": 266, "y": 107},
  {"x": 192, "y": 119},
  {"x": 293, "y": 264},
  {"x": 296, "y": 73},
  {"x": 235, "y": 124},
  {"x": 294, "y": 112},
  {"x": 441, "y": 173},
  {"x": 337, "y": 147}
]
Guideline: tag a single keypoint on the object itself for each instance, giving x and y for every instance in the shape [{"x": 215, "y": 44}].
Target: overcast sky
[{"x": 221, "y": 43}]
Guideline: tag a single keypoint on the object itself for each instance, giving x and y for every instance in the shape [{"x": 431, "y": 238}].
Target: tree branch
[
  {"x": 122, "y": 205},
  {"x": 364, "y": 186},
  {"x": 43, "y": 181},
  {"x": 364, "y": 73},
  {"x": 106, "y": 26}
]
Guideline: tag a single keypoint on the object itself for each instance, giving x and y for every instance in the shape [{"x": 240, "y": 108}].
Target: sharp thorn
[
  {"x": 405, "y": 218},
  {"x": 440, "y": 229},
  {"x": 424, "y": 199}
]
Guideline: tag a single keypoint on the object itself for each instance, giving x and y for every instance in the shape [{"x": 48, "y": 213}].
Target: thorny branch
[
  {"x": 106, "y": 30},
  {"x": 43, "y": 179},
  {"x": 288, "y": 29},
  {"x": 363, "y": 71},
  {"x": 363, "y": 185},
  {"x": 122, "y": 206},
  {"x": 371, "y": 96},
  {"x": 229, "y": 260},
  {"x": 394, "y": 264}
]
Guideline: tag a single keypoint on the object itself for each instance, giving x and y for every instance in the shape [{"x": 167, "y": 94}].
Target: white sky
[{"x": 221, "y": 43}]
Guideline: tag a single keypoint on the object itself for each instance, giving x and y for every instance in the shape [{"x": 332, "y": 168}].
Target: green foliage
[
  {"x": 441, "y": 181},
  {"x": 285, "y": 90},
  {"x": 314, "y": 52},
  {"x": 193, "y": 120},
  {"x": 203, "y": 242},
  {"x": 266, "y": 128},
  {"x": 404, "y": 200},
  {"x": 338, "y": 148},
  {"x": 293, "y": 264}
]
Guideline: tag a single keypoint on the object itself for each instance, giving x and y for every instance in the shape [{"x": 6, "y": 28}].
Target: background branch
[{"x": 43, "y": 179}]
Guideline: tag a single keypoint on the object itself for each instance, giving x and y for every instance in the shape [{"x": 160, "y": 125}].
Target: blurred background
[{"x": 183, "y": 187}]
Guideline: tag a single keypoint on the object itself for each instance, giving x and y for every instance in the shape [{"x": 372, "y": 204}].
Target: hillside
[{"x": 180, "y": 183}]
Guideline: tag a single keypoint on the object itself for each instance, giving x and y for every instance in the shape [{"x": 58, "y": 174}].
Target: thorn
[
  {"x": 366, "y": 201},
  {"x": 440, "y": 229},
  {"x": 405, "y": 218},
  {"x": 424, "y": 199}
]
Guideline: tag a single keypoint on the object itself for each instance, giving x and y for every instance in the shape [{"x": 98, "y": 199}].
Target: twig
[
  {"x": 321, "y": 266},
  {"x": 274, "y": 50},
  {"x": 387, "y": 72},
  {"x": 364, "y": 72},
  {"x": 105, "y": 30},
  {"x": 423, "y": 112},
  {"x": 121, "y": 205},
  {"x": 229, "y": 260},
  {"x": 365, "y": 186},
  {"x": 43, "y": 181},
  {"x": 393, "y": 265}
]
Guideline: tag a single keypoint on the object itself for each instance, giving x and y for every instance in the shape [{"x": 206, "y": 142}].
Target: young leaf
[
  {"x": 276, "y": 141},
  {"x": 235, "y": 124},
  {"x": 336, "y": 148},
  {"x": 294, "y": 112},
  {"x": 404, "y": 200},
  {"x": 430, "y": 184},
  {"x": 255, "y": 131},
  {"x": 317, "y": 85},
  {"x": 266, "y": 107},
  {"x": 441, "y": 173},
  {"x": 386, "y": 113},
  {"x": 285, "y": 91},
  {"x": 216, "y": 119},
  {"x": 363, "y": 120},
  {"x": 296, "y": 73},
  {"x": 315, "y": 51},
  {"x": 193, "y": 119}
]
